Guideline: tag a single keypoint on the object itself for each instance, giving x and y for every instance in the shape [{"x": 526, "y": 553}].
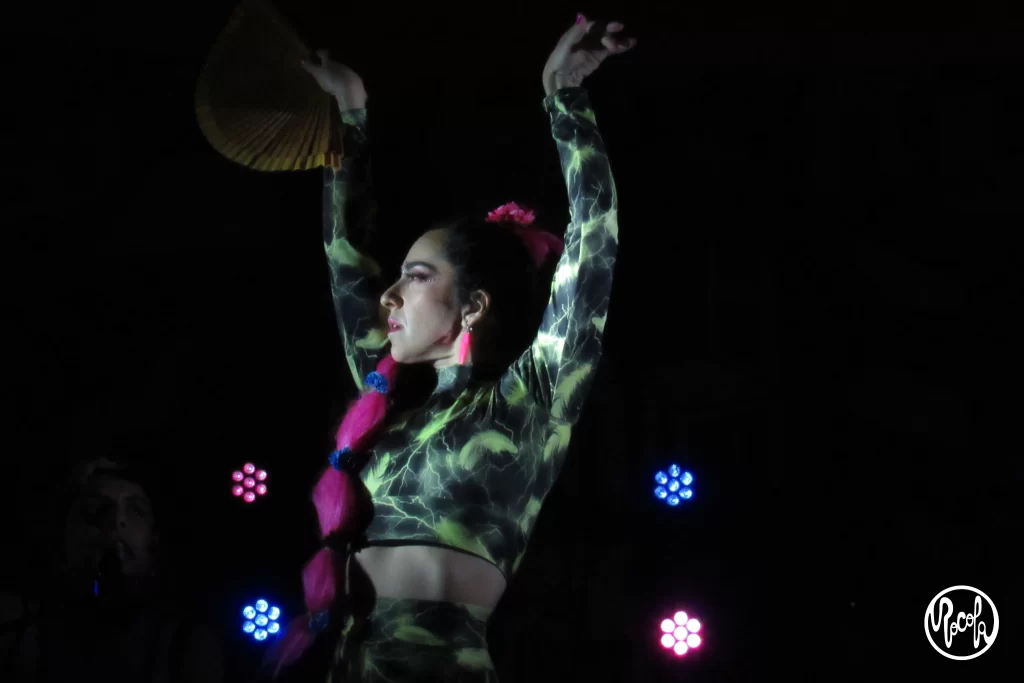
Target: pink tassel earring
[{"x": 464, "y": 346}]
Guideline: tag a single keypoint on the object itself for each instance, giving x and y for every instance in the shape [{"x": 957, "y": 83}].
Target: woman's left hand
[{"x": 581, "y": 50}]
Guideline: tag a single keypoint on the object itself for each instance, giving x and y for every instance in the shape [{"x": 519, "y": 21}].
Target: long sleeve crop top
[{"x": 470, "y": 468}]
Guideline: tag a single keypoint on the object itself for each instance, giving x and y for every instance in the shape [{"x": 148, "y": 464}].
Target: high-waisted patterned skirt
[{"x": 415, "y": 641}]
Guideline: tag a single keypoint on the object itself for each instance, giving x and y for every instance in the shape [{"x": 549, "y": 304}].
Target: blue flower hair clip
[
  {"x": 318, "y": 621},
  {"x": 377, "y": 382},
  {"x": 340, "y": 459}
]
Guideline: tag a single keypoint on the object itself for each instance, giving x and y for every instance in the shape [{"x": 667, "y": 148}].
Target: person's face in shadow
[{"x": 111, "y": 516}]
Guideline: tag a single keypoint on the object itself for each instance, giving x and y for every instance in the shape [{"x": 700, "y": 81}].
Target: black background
[{"x": 815, "y": 297}]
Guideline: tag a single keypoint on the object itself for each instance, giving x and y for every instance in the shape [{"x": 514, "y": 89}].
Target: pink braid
[{"x": 343, "y": 508}]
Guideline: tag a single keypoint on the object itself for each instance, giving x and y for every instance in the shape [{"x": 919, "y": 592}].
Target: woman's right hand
[{"x": 337, "y": 80}]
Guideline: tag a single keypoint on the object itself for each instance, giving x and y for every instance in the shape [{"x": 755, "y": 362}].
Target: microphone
[{"x": 108, "y": 580}]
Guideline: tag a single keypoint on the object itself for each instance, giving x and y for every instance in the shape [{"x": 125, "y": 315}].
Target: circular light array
[
  {"x": 261, "y": 620},
  {"x": 249, "y": 483},
  {"x": 679, "y": 633},
  {"x": 674, "y": 486}
]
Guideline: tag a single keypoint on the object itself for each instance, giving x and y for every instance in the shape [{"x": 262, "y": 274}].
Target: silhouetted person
[{"x": 107, "y": 615}]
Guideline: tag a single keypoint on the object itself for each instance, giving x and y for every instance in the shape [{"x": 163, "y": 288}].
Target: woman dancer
[{"x": 435, "y": 501}]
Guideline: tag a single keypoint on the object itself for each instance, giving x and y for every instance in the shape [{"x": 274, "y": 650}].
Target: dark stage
[{"x": 813, "y": 313}]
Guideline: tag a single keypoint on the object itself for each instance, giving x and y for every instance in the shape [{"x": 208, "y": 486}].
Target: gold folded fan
[{"x": 257, "y": 106}]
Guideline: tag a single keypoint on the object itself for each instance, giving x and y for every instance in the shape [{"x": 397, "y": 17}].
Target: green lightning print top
[{"x": 471, "y": 467}]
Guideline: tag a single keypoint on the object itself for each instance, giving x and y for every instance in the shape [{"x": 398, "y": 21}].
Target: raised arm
[
  {"x": 558, "y": 368},
  {"x": 349, "y": 213},
  {"x": 356, "y": 284}
]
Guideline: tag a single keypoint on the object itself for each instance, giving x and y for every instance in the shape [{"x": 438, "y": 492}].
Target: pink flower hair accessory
[
  {"x": 512, "y": 213},
  {"x": 539, "y": 243}
]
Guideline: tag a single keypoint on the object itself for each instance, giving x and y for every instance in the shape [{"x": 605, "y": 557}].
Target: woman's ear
[{"x": 477, "y": 309}]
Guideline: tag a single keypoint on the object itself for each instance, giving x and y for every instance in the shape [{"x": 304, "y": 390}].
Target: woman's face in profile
[
  {"x": 423, "y": 317},
  {"x": 111, "y": 516}
]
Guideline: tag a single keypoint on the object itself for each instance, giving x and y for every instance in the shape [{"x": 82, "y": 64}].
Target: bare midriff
[{"x": 422, "y": 572}]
